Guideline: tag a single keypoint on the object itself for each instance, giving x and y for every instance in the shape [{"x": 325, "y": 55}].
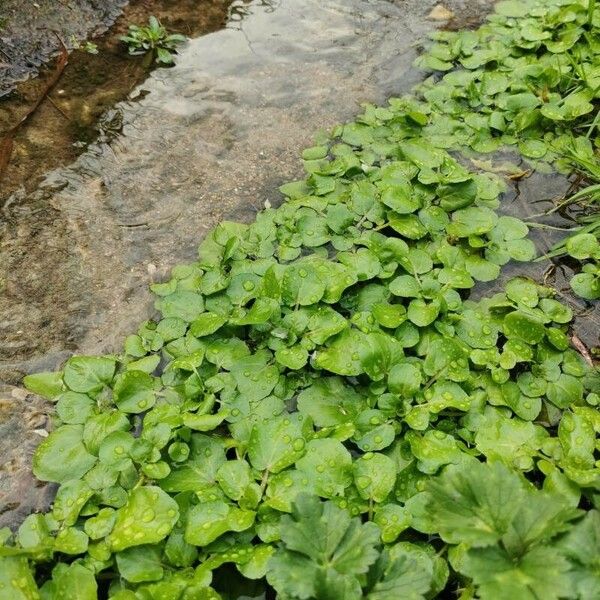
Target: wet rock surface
[
  {"x": 23, "y": 419},
  {"x": 79, "y": 108}
]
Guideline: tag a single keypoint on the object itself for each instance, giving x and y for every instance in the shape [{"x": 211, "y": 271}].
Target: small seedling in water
[
  {"x": 152, "y": 38},
  {"x": 87, "y": 46}
]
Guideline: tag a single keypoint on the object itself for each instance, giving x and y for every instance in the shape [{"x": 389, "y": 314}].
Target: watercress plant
[{"x": 322, "y": 411}]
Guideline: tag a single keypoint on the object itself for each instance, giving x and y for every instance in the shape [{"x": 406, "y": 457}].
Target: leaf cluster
[
  {"x": 321, "y": 407},
  {"x": 153, "y": 38}
]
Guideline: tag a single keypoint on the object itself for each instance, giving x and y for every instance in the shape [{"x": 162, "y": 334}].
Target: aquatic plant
[
  {"x": 321, "y": 408},
  {"x": 152, "y": 38}
]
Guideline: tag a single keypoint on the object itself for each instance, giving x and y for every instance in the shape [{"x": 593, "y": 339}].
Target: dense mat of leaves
[{"x": 321, "y": 410}]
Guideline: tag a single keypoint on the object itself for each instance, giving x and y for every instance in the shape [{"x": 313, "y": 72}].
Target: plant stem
[
  {"x": 263, "y": 482},
  {"x": 590, "y": 15}
]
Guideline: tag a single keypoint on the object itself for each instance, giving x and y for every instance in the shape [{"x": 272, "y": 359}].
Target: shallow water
[{"x": 210, "y": 139}]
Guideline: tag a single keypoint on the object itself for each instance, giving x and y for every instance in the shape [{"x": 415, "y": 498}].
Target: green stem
[
  {"x": 593, "y": 125},
  {"x": 544, "y": 226},
  {"x": 386, "y": 224},
  {"x": 263, "y": 482},
  {"x": 590, "y": 15}
]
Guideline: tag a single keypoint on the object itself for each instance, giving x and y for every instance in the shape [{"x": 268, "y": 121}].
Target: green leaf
[
  {"x": 577, "y": 438},
  {"x": 147, "y": 518},
  {"x": 389, "y": 315},
  {"x": 256, "y": 566},
  {"x": 522, "y": 291},
  {"x": 447, "y": 358},
  {"x": 88, "y": 374},
  {"x": 392, "y": 520},
  {"x": 582, "y": 246},
  {"x": 586, "y": 285},
  {"x": 100, "y": 426},
  {"x": 404, "y": 379},
  {"x": 70, "y": 499},
  {"x": 184, "y": 304},
  {"x": 343, "y": 355},
  {"x": 71, "y": 541},
  {"x": 293, "y": 358},
  {"x": 472, "y": 221},
  {"x": 200, "y": 471},
  {"x": 329, "y": 402},
  {"x": 323, "y": 323},
  {"x": 101, "y": 524},
  {"x": 328, "y": 465},
  {"x": 434, "y": 449},
  {"x": 401, "y": 577},
  {"x": 209, "y": 520},
  {"x": 565, "y": 391},
  {"x": 559, "y": 313},
  {"x": 533, "y": 148},
  {"x": 513, "y": 441},
  {"x": 474, "y": 503},
  {"x": 74, "y": 582},
  {"x": 301, "y": 285},
  {"x": 408, "y": 226},
  {"x": 405, "y": 286},
  {"x": 276, "y": 444},
  {"x": 422, "y": 154},
  {"x": 234, "y": 476},
  {"x": 16, "y": 579},
  {"x": 323, "y": 550},
  {"x": 139, "y": 564},
  {"x": 62, "y": 455},
  {"x": 454, "y": 196},
  {"x": 401, "y": 198},
  {"x": 115, "y": 448},
  {"x": 293, "y": 574},
  {"x": 423, "y": 313},
  {"x": 374, "y": 476},
  {"x": 207, "y": 323},
  {"x": 47, "y": 385},
  {"x": 254, "y": 377},
  {"x": 582, "y": 546},
  {"x": 540, "y": 573},
  {"x": 526, "y": 327},
  {"x": 134, "y": 392},
  {"x": 73, "y": 408},
  {"x": 481, "y": 269},
  {"x": 225, "y": 352}
]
